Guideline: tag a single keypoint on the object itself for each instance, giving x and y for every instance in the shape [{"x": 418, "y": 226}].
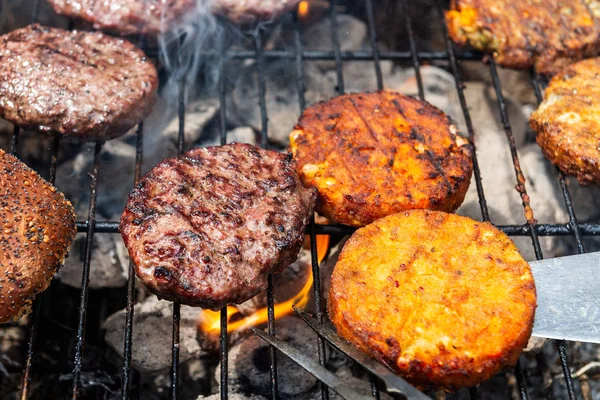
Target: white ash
[
  {"x": 233, "y": 396},
  {"x": 108, "y": 267},
  {"x": 249, "y": 361},
  {"x": 161, "y": 136},
  {"x": 152, "y": 330},
  {"x": 286, "y": 284},
  {"x": 243, "y": 134}
]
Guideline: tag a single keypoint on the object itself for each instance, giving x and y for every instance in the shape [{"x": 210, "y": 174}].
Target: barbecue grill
[{"x": 296, "y": 57}]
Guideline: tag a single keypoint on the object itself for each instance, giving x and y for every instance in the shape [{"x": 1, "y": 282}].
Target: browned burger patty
[
  {"x": 567, "y": 122},
  {"x": 207, "y": 228},
  {"x": 444, "y": 300},
  {"x": 89, "y": 86},
  {"x": 251, "y": 12},
  {"x": 546, "y": 34},
  {"x": 374, "y": 154},
  {"x": 128, "y": 17},
  {"x": 37, "y": 226}
]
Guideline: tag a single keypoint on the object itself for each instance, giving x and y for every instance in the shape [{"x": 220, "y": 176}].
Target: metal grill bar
[
  {"x": 85, "y": 276},
  {"x": 586, "y": 229},
  {"x": 127, "y": 343},
  {"x": 299, "y": 56}
]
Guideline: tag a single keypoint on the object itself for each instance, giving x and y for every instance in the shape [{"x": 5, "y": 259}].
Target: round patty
[
  {"x": 374, "y": 154},
  {"x": 251, "y": 12},
  {"x": 90, "y": 86},
  {"x": 567, "y": 122},
  {"x": 37, "y": 226},
  {"x": 547, "y": 35},
  {"x": 442, "y": 299},
  {"x": 127, "y": 17},
  {"x": 207, "y": 228}
]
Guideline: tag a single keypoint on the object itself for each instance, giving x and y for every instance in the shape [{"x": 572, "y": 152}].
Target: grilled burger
[
  {"x": 567, "y": 121},
  {"x": 374, "y": 154},
  {"x": 83, "y": 85},
  {"x": 207, "y": 228},
  {"x": 37, "y": 226},
  {"x": 251, "y": 12},
  {"x": 545, "y": 34},
  {"x": 127, "y": 17},
  {"x": 444, "y": 300}
]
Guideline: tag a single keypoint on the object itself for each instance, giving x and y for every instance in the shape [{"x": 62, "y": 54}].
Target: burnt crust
[
  {"x": 89, "y": 86},
  {"x": 207, "y": 228},
  {"x": 567, "y": 122},
  {"x": 443, "y": 300},
  {"x": 546, "y": 35},
  {"x": 37, "y": 226},
  {"x": 374, "y": 154}
]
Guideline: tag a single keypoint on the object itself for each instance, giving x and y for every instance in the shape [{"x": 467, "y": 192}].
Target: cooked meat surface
[
  {"x": 567, "y": 122},
  {"x": 545, "y": 34},
  {"x": 251, "y": 12},
  {"x": 88, "y": 86},
  {"x": 374, "y": 154},
  {"x": 444, "y": 300},
  {"x": 128, "y": 17},
  {"x": 207, "y": 228},
  {"x": 37, "y": 226}
]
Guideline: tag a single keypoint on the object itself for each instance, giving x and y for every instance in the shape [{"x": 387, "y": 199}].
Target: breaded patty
[
  {"x": 567, "y": 122},
  {"x": 207, "y": 228},
  {"x": 374, "y": 154},
  {"x": 442, "y": 299},
  {"x": 545, "y": 34},
  {"x": 37, "y": 226}
]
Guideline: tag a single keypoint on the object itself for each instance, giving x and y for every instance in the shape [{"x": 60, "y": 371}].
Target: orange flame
[
  {"x": 210, "y": 320},
  {"x": 303, "y": 9}
]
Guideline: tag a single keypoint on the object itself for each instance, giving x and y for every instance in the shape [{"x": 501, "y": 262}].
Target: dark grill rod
[
  {"x": 262, "y": 92},
  {"x": 264, "y": 134},
  {"x": 127, "y": 344},
  {"x": 536, "y": 82},
  {"x": 373, "y": 40},
  {"x": 314, "y": 259},
  {"x": 527, "y": 210},
  {"x": 360, "y": 55},
  {"x": 413, "y": 49},
  {"x": 586, "y": 229},
  {"x": 36, "y": 11},
  {"x": 580, "y": 247},
  {"x": 313, "y": 246},
  {"x": 174, "y": 389},
  {"x": 463, "y": 105},
  {"x": 14, "y": 143},
  {"x": 85, "y": 276},
  {"x": 35, "y": 317},
  {"x": 336, "y": 48},
  {"x": 299, "y": 67},
  {"x": 521, "y": 381},
  {"x": 223, "y": 343}
]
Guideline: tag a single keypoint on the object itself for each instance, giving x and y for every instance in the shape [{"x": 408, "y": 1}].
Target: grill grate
[{"x": 298, "y": 55}]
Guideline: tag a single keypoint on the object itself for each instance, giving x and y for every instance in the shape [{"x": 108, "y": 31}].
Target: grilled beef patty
[
  {"x": 545, "y": 34},
  {"x": 37, "y": 225},
  {"x": 80, "y": 84},
  {"x": 207, "y": 228},
  {"x": 251, "y": 12},
  {"x": 127, "y": 17}
]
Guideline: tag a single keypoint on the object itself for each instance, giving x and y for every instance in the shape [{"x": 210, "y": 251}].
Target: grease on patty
[
  {"x": 442, "y": 299},
  {"x": 374, "y": 154}
]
